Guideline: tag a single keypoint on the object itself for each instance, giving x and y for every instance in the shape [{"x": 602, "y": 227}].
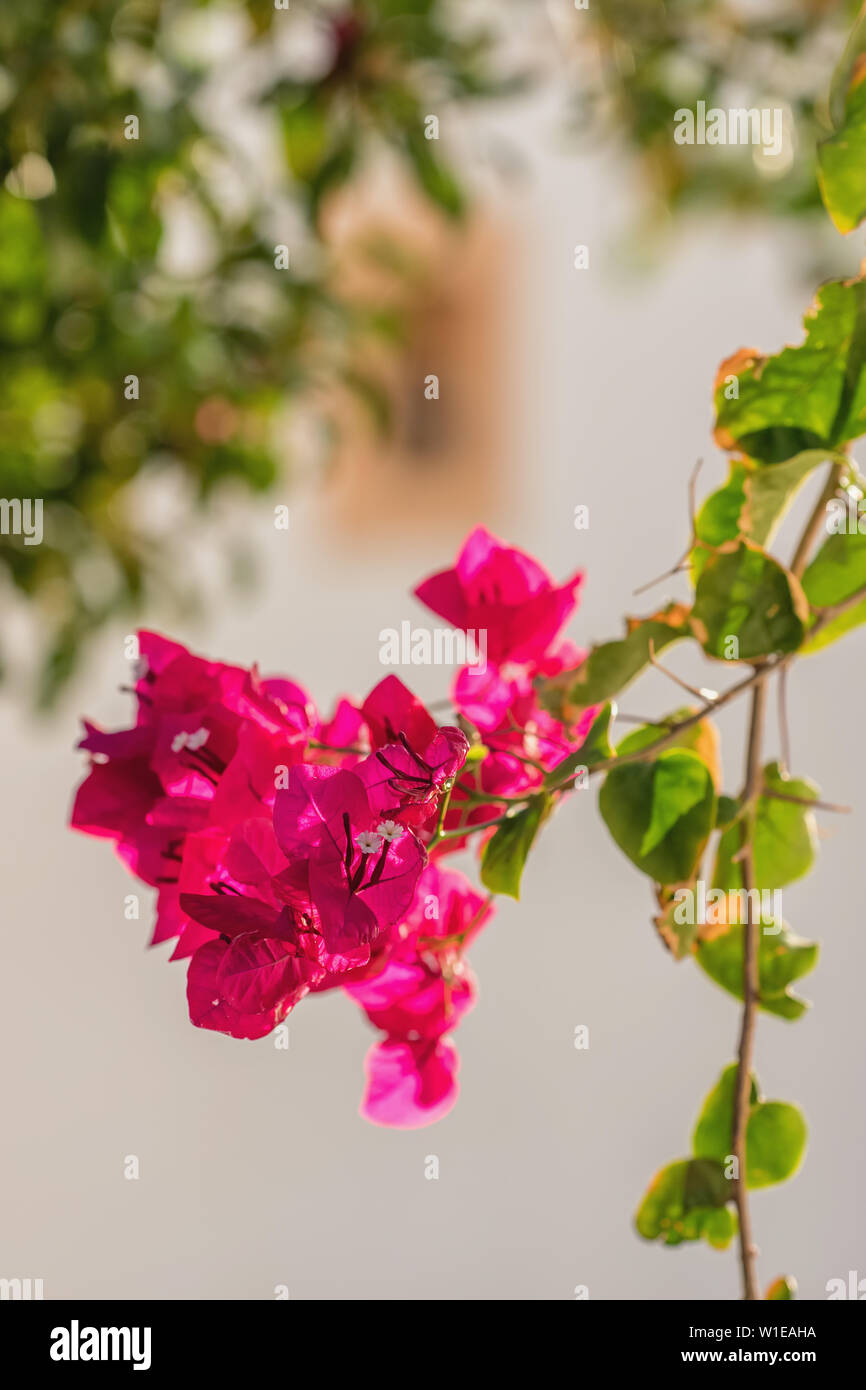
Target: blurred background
[{"x": 259, "y": 387}]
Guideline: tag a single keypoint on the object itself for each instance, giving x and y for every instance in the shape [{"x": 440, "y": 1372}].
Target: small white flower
[
  {"x": 390, "y": 830},
  {"x": 179, "y": 741},
  {"x": 367, "y": 842},
  {"x": 198, "y": 739}
]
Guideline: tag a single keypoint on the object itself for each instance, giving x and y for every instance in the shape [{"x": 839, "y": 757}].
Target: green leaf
[
  {"x": 782, "y": 959},
  {"x": 841, "y": 81},
  {"x": 784, "y": 841},
  {"x": 718, "y": 519},
  {"x": 745, "y": 594},
  {"x": 836, "y": 628},
  {"x": 712, "y": 1133},
  {"x": 837, "y": 572},
  {"x": 701, "y": 737},
  {"x": 688, "y": 1200},
  {"x": 596, "y": 748},
  {"x": 609, "y": 668},
  {"x": 677, "y": 788},
  {"x": 842, "y": 157},
  {"x": 807, "y": 397},
  {"x": 775, "y": 1143},
  {"x": 775, "y": 1132},
  {"x": 504, "y": 855},
  {"x": 770, "y": 489},
  {"x": 661, "y": 812},
  {"x": 727, "y": 810},
  {"x": 753, "y": 501}
]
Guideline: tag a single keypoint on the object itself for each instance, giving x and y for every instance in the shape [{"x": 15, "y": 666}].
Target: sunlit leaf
[
  {"x": 785, "y": 839},
  {"x": 782, "y": 959},
  {"x": 775, "y": 1132},
  {"x": 596, "y": 748},
  {"x": 842, "y": 157},
  {"x": 807, "y": 397},
  {"x": 747, "y": 605},
  {"x": 660, "y": 812},
  {"x": 688, "y": 1200},
  {"x": 504, "y": 856},
  {"x": 611, "y": 667}
]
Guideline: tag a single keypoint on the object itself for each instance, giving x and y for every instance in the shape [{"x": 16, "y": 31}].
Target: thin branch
[
  {"x": 693, "y": 486},
  {"x": 644, "y": 719},
  {"x": 816, "y": 520},
  {"x": 834, "y": 610},
  {"x": 709, "y": 697},
  {"x": 806, "y": 801},
  {"x": 471, "y": 829},
  {"x": 746, "y": 1048},
  {"x": 674, "y": 730},
  {"x": 490, "y": 798},
  {"x": 681, "y": 564},
  {"x": 784, "y": 730}
]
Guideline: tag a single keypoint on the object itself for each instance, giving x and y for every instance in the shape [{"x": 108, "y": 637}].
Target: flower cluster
[{"x": 293, "y": 854}]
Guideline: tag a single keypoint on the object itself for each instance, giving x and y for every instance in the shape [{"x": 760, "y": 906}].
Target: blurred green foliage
[
  {"x": 222, "y": 343},
  {"x": 648, "y": 58}
]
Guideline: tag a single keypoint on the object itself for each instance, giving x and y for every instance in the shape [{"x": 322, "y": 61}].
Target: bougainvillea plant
[{"x": 293, "y": 854}]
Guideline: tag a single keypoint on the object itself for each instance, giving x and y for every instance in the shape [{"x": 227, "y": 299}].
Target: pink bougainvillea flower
[
  {"x": 254, "y": 967},
  {"x": 392, "y": 711},
  {"x": 424, "y": 985},
  {"x": 502, "y": 591},
  {"x": 246, "y": 987},
  {"x": 288, "y": 851},
  {"x": 359, "y": 881},
  {"x": 420, "y": 992},
  {"x": 405, "y": 784},
  {"x": 346, "y": 730},
  {"x": 114, "y": 800},
  {"x": 204, "y": 755},
  {"x": 410, "y": 1084},
  {"x": 171, "y": 680},
  {"x": 413, "y": 759}
]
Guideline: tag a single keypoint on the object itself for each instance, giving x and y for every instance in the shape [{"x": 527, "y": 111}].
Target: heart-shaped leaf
[
  {"x": 747, "y": 605},
  {"x": 807, "y": 397},
  {"x": 842, "y": 157},
  {"x": 775, "y": 1132},
  {"x": 504, "y": 855},
  {"x": 609, "y": 668},
  {"x": 784, "y": 840},
  {"x": 661, "y": 812},
  {"x": 782, "y": 959},
  {"x": 688, "y": 1200}
]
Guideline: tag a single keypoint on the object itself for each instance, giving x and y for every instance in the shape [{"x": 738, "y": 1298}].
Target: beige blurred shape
[{"x": 438, "y": 459}]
